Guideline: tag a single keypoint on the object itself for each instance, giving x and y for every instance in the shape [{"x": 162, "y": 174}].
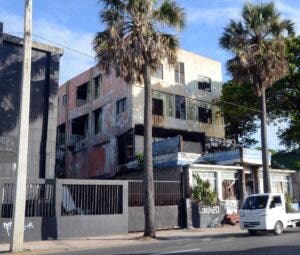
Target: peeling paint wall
[
  {"x": 195, "y": 67},
  {"x": 95, "y": 155},
  {"x": 102, "y": 148}
]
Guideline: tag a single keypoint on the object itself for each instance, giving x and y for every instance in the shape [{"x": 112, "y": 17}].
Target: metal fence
[
  {"x": 91, "y": 199},
  {"x": 40, "y": 200},
  {"x": 165, "y": 193}
]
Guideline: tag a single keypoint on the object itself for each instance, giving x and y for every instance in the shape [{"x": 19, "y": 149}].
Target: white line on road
[{"x": 177, "y": 252}]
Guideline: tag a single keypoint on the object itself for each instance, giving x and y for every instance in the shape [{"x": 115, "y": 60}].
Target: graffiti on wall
[
  {"x": 210, "y": 210},
  {"x": 8, "y": 226},
  {"x": 231, "y": 206}
]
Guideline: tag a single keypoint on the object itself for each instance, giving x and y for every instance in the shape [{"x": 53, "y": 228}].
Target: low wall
[
  {"x": 166, "y": 217},
  {"x": 75, "y": 208},
  {"x": 205, "y": 216}
]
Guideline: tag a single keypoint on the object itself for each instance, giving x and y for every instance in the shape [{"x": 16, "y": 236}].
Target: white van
[{"x": 266, "y": 212}]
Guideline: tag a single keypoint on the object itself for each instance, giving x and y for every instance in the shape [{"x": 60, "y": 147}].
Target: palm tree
[
  {"x": 257, "y": 43},
  {"x": 134, "y": 42}
]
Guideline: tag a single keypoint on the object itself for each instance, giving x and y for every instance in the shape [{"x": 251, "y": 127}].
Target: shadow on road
[{"x": 275, "y": 250}]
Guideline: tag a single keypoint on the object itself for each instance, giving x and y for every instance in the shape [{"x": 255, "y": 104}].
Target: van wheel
[
  {"x": 252, "y": 232},
  {"x": 278, "y": 229}
]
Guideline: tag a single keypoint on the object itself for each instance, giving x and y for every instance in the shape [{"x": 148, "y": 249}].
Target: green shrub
[{"x": 202, "y": 192}]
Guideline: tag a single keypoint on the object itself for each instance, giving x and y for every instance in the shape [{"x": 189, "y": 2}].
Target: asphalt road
[{"x": 232, "y": 244}]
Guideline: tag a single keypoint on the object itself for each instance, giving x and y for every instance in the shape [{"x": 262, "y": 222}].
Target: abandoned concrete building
[
  {"x": 43, "y": 108},
  {"x": 100, "y": 118}
]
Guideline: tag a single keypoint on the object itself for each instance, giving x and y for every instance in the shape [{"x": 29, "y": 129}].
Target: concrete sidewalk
[{"x": 55, "y": 246}]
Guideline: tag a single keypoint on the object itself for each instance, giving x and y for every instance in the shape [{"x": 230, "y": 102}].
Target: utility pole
[{"x": 16, "y": 244}]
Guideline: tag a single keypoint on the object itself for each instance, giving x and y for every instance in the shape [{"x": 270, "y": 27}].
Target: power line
[
  {"x": 90, "y": 56},
  {"x": 64, "y": 46}
]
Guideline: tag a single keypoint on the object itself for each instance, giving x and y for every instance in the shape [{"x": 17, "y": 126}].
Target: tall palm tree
[
  {"x": 135, "y": 42},
  {"x": 257, "y": 43}
]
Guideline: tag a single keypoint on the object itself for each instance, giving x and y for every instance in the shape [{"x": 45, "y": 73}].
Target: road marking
[{"x": 177, "y": 252}]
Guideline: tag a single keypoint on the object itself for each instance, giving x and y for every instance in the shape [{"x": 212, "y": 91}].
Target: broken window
[
  {"x": 97, "y": 84},
  {"x": 180, "y": 107},
  {"x": 230, "y": 185},
  {"x": 179, "y": 73},
  {"x": 98, "y": 121},
  {"x": 157, "y": 107},
  {"x": 159, "y": 74},
  {"x": 199, "y": 111},
  {"x": 204, "y": 84},
  {"x": 65, "y": 100},
  {"x": 205, "y": 115},
  {"x": 125, "y": 147},
  {"x": 121, "y": 105},
  {"x": 61, "y": 134},
  {"x": 80, "y": 127},
  {"x": 168, "y": 102},
  {"x": 82, "y": 95}
]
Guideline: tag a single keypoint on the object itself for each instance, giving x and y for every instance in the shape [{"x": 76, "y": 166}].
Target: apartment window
[
  {"x": 179, "y": 73},
  {"x": 204, "y": 84},
  {"x": 121, "y": 105},
  {"x": 159, "y": 73},
  {"x": 157, "y": 107},
  {"x": 125, "y": 147},
  {"x": 65, "y": 100},
  {"x": 82, "y": 95},
  {"x": 80, "y": 127},
  {"x": 97, "y": 84},
  {"x": 205, "y": 115},
  {"x": 61, "y": 134},
  {"x": 180, "y": 107},
  {"x": 98, "y": 121}
]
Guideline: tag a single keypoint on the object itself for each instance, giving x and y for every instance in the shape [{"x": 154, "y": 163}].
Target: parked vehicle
[{"x": 266, "y": 212}]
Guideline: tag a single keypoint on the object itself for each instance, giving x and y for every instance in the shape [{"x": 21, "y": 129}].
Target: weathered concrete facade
[
  {"x": 43, "y": 107},
  {"x": 100, "y": 118}
]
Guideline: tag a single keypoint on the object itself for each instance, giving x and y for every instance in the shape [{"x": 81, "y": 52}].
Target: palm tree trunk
[
  {"x": 264, "y": 145},
  {"x": 148, "y": 183}
]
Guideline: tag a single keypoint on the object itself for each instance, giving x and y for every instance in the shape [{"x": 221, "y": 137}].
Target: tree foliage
[
  {"x": 136, "y": 38},
  {"x": 283, "y": 100}
]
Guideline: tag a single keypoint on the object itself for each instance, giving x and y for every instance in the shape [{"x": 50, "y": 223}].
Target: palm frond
[{"x": 171, "y": 14}]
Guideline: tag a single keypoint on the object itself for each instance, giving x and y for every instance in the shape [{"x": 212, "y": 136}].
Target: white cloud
[
  {"x": 72, "y": 63},
  {"x": 289, "y": 12}
]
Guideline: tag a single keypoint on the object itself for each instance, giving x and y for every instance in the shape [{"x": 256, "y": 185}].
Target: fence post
[
  {"x": 58, "y": 202},
  {"x": 125, "y": 202},
  {"x": 187, "y": 211}
]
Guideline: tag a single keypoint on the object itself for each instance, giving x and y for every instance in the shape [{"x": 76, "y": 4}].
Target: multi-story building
[
  {"x": 43, "y": 108},
  {"x": 100, "y": 118}
]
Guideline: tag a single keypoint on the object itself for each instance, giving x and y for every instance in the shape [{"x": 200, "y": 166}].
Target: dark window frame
[
  {"x": 121, "y": 105},
  {"x": 204, "y": 115},
  {"x": 97, "y": 86},
  {"x": 179, "y": 73},
  {"x": 157, "y": 107},
  {"x": 204, "y": 85},
  {"x": 180, "y": 107},
  {"x": 64, "y": 100},
  {"x": 80, "y": 92},
  {"x": 159, "y": 74},
  {"x": 98, "y": 125}
]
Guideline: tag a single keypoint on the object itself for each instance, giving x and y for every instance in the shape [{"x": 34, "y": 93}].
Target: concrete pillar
[
  {"x": 20, "y": 183},
  {"x": 219, "y": 187},
  {"x": 243, "y": 185}
]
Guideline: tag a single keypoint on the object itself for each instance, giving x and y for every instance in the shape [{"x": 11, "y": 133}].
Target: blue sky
[{"x": 74, "y": 22}]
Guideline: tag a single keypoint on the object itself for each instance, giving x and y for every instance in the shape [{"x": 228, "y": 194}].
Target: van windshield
[{"x": 256, "y": 202}]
